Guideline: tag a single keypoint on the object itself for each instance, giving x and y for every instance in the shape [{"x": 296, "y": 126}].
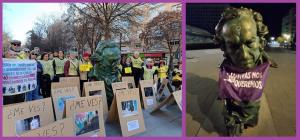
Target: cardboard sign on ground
[
  {"x": 87, "y": 113},
  {"x": 178, "y": 98},
  {"x": 59, "y": 96},
  {"x": 59, "y": 128},
  {"x": 21, "y": 117},
  {"x": 148, "y": 94},
  {"x": 96, "y": 88},
  {"x": 113, "y": 111},
  {"x": 165, "y": 84},
  {"x": 119, "y": 86},
  {"x": 74, "y": 80},
  {"x": 130, "y": 81},
  {"x": 170, "y": 99},
  {"x": 130, "y": 111}
]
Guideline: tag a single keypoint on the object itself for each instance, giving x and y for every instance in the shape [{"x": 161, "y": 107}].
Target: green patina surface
[{"x": 106, "y": 60}]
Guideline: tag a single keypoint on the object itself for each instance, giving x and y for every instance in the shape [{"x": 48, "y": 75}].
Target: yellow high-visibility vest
[
  {"x": 162, "y": 72},
  {"x": 136, "y": 63}
]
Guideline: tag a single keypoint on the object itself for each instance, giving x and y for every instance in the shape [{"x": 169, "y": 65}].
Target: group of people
[
  {"x": 52, "y": 66},
  {"x": 147, "y": 69}
]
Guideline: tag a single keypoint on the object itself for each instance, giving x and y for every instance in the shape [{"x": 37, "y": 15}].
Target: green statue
[
  {"x": 240, "y": 33},
  {"x": 106, "y": 59}
]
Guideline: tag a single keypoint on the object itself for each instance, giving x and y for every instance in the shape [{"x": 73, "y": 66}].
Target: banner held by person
[{"x": 19, "y": 76}]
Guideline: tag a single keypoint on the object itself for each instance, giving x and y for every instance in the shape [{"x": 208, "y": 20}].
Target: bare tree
[
  {"x": 111, "y": 17},
  {"x": 164, "y": 29}
]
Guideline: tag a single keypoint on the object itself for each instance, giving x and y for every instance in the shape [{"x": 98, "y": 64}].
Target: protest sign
[
  {"x": 21, "y": 117},
  {"x": 119, "y": 86},
  {"x": 148, "y": 93},
  {"x": 165, "y": 84},
  {"x": 19, "y": 76},
  {"x": 59, "y": 128},
  {"x": 60, "y": 93},
  {"x": 113, "y": 112},
  {"x": 129, "y": 80},
  {"x": 87, "y": 113},
  {"x": 178, "y": 98},
  {"x": 242, "y": 85},
  {"x": 74, "y": 80},
  {"x": 96, "y": 88},
  {"x": 130, "y": 111}
]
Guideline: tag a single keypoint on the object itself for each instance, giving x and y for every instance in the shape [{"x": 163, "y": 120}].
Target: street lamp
[
  {"x": 272, "y": 38},
  {"x": 286, "y": 36}
]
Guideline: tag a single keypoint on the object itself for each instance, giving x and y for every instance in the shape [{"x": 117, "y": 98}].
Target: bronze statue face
[
  {"x": 241, "y": 43},
  {"x": 112, "y": 58}
]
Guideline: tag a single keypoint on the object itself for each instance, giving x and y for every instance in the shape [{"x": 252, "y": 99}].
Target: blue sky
[{"x": 19, "y": 18}]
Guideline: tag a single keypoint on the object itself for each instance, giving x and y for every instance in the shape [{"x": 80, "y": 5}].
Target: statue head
[
  {"x": 240, "y": 34},
  {"x": 107, "y": 55}
]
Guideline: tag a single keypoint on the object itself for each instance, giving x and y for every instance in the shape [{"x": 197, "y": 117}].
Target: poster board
[
  {"x": 21, "y": 117},
  {"x": 87, "y": 114},
  {"x": 119, "y": 86},
  {"x": 168, "y": 100},
  {"x": 130, "y": 111},
  {"x": 93, "y": 88},
  {"x": 74, "y": 80},
  {"x": 61, "y": 128},
  {"x": 60, "y": 93},
  {"x": 148, "y": 94},
  {"x": 178, "y": 98},
  {"x": 113, "y": 111},
  {"x": 19, "y": 76},
  {"x": 130, "y": 81},
  {"x": 165, "y": 84}
]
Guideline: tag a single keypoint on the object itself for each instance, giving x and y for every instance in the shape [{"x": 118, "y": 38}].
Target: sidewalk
[{"x": 204, "y": 118}]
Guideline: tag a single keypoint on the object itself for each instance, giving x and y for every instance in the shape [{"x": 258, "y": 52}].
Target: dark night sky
[{"x": 271, "y": 12}]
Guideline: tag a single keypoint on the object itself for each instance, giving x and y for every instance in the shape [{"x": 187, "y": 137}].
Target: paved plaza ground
[{"x": 278, "y": 104}]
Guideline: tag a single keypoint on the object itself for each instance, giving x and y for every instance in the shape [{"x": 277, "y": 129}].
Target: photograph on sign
[
  {"x": 61, "y": 101},
  {"x": 27, "y": 124},
  {"x": 133, "y": 125},
  {"x": 86, "y": 122},
  {"x": 130, "y": 85},
  {"x": 148, "y": 91},
  {"x": 96, "y": 92},
  {"x": 129, "y": 108}
]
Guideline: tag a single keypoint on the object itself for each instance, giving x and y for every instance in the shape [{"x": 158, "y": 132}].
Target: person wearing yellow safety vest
[
  {"x": 136, "y": 67},
  {"x": 85, "y": 66},
  {"x": 72, "y": 65},
  {"x": 127, "y": 67},
  {"x": 14, "y": 52},
  {"x": 177, "y": 76},
  {"x": 149, "y": 70},
  {"x": 48, "y": 74},
  {"x": 58, "y": 65},
  {"x": 162, "y": 72}
]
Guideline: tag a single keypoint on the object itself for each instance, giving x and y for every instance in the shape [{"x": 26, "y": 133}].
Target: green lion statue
[{"x": 106, "y": 60}]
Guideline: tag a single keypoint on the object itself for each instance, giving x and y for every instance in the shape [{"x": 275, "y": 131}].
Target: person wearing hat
[
  {"x": 149, "y": 69},
  {"x": 58, "y": 65},
  {"x": 34, "y": 95},
  {"x": 136, "y": 67},
  {"x": 85, "y": 66},
  {"x": 72, "y": 65},
  {"x": 162, "y": 72},
  {"x": 14, "y": 51}
]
